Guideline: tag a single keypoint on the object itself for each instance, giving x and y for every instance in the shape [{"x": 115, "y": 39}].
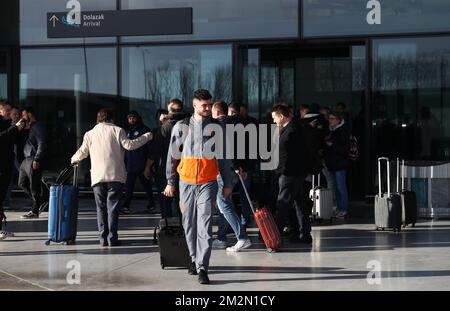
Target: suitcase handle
[
  {"x": 398, "y": 175},
  {"x": 388, "y": 177},
  {"x": 400, "y": 172},
  {"x": 75, "y": 175},
  {"x": 318, "y": 182},
  {"x": 403, "y": 174},
  {"x": 246, "y": 193}
]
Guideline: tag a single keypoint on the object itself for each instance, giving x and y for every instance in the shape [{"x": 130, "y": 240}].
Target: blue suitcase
[{"x": 63, "y": 210}]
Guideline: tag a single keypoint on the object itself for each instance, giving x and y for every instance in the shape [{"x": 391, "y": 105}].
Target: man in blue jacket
[{"x": 135, "y": 161}]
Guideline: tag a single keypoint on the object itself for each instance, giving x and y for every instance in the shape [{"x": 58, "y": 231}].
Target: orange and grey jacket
[{"x": 189, "y": 158}]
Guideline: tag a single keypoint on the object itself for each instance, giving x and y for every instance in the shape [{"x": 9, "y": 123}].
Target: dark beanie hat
[{"x": 133, "y": 113}]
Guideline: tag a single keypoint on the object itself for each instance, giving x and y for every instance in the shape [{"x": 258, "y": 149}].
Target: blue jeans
[
  {"x": 340, "y": 189},
  {"x": 227, "y": 216}
]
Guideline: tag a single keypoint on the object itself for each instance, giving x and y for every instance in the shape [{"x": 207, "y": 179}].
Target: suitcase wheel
[
  {"x": 70, "y": 242},
  {"x": 47, "y": 242},
  {"x": 413, "y": 225},
  {"x": 382, "y": 229}
]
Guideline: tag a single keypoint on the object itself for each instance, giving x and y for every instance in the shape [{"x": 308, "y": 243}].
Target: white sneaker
[
  {"x": 218, "y": 244},
  {"x": 341, "y": 214},
  {"x": 5, "y": 234},
  {"x": 240, "y": 245}
]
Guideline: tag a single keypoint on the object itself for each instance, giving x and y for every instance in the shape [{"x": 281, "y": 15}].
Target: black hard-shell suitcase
[
  {"x": 172, "y": 244},
  {"x": 388, "y": 208},
  {"x": 408, "y": 199}
]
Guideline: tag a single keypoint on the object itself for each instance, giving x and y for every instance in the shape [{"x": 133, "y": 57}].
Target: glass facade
[
  {"x": 327, "y": 18},
  {"x": 231, "y": 19},
  {"x": 3, "y": 75},
  {"x": 152, "y": 75},
  {"x": 397, "y": 94},
  {"x": 67, "y": 87},
  {"x": 411, "y": 98}
]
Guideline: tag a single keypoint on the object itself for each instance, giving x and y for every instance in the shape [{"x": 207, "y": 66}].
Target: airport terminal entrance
[{"x": 320, "y": 76}]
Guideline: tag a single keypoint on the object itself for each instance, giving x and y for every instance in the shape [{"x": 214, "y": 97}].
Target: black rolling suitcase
[
  {"x": 388, "y": 206},
  {"x": 408, "y": 199},
  {"x": 172, "y": 244}
]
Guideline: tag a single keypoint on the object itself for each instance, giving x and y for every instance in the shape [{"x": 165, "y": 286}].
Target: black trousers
[
  {"x": 129, "y": 187},
  {"x": 30, "y": 182},
  {"x": 5, "y": 179},
  {"x": 291, "y": 196}
]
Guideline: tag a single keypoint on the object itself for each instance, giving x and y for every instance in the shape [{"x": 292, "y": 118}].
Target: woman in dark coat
[{"x": 337, "y": 159}]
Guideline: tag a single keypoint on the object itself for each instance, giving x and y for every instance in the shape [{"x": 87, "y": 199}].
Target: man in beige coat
[{"x": 106, "y": 144}]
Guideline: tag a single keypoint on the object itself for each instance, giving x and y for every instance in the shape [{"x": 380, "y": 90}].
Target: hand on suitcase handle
[{"x": 169, "y": 191}]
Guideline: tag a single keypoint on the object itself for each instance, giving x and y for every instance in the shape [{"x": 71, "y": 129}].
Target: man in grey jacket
[
  {"x": 34, "y": 151},
  {"x": 197, "y": 171},
  {"x": 106, "y": 144}
]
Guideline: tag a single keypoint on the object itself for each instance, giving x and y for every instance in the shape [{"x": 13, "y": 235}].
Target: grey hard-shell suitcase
[{"x": 388, "y": 208}]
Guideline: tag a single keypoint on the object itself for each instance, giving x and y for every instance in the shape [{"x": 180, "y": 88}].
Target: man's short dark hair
[
  {"x": 202, "y": 94},
  {"x": 341, "y": 104},
  {"x": 337, "y": 114},
  {"x": 281, "y": 109},
  {"x": 305, "y": 107},
  {"x": 29, "y": 109},
  {"x": 178, "y": 105},
  {"x": 234, "y": 105},
  {"x": 221, "y": 106},
  {"x": 105, "y": 115}
]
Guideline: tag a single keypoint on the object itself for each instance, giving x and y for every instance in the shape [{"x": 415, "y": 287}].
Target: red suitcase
[{"x": 266, "y": 224}]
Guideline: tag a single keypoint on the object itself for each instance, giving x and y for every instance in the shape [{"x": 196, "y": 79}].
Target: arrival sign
[{"x": 174, "y": 21}]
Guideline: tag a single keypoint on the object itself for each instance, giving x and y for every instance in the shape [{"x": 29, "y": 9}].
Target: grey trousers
[
  {"x": 107, "y": 196},
  {"x": 196, "y": 202}
]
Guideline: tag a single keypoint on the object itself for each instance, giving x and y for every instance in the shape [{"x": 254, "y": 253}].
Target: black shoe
[
  {"x": 192, "y": 269},
  {"x": 125, "y": 210},
  {"x": 306, "y": 239},
  {"x": 203, "y": 277},
  {"x": 104, "y": 244},
  {"x": 116, "y": 243}
]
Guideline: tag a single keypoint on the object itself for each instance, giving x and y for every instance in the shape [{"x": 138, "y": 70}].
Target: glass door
[{"x": 4, "y": 65}]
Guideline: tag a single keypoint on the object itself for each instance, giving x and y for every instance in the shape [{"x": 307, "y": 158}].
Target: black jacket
[
  {"x": 161, "y": 142},
  {"x": 291, "y": 149},
  {"x": 36, "y": 144},
  {"x": 336, "y": 155},
  {"x": 8, "y": 135},
  {"x": 135, "y": 159}
]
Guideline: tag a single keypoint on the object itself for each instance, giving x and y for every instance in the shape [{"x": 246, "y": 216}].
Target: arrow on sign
[{"x": 54, "y": 19}]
